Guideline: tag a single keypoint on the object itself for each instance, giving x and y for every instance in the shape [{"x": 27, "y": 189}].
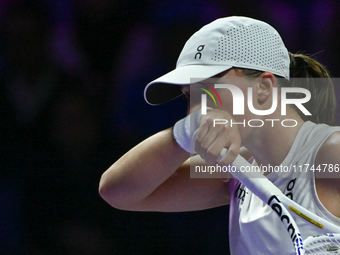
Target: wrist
[{"x": 185, "y": 130}]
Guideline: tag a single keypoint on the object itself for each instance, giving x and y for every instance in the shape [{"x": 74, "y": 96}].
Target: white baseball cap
[{"x": 218, "y": 46}]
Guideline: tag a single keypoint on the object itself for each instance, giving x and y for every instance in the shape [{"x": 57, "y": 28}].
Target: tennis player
[{"x": 155, "y": 174}]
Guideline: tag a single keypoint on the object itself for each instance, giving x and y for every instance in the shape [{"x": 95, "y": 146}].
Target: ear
[{"x": 266, "y": 82}]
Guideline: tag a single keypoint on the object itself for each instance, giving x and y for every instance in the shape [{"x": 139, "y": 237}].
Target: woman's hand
[{"x": 210, "y": 139}]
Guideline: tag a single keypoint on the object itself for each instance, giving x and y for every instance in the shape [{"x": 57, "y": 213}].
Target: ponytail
[{"x": 322, "y": 103}]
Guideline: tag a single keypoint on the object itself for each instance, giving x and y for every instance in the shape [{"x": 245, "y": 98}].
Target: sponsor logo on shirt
[
  {"x": 290, "y": 187},
  {"x": 240, "y": 193}
]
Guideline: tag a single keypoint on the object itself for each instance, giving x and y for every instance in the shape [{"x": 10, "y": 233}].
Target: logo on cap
[{"x": 199, "y": 52}]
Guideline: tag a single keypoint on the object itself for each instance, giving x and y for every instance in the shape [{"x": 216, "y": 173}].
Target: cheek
[
  {"x": 226, "y": 99},
  {"x": 193, "y": 108},
  {"x": 240, "y": 104}
]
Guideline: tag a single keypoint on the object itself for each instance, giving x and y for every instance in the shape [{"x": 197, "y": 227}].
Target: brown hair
[{"x": 314, "y": 77}]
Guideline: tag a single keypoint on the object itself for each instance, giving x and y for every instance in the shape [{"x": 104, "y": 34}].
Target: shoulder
[
  {"x": 328, "y": 179},
  {"x": 329, "y": 151}
]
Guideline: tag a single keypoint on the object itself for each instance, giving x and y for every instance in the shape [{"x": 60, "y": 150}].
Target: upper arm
[
  {"x": 182, "y": 193},
  {"x": 328, "y": 183}
]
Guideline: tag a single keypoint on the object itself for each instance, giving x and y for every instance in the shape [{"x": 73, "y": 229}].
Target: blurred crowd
[{"x": 72, "y": 75}]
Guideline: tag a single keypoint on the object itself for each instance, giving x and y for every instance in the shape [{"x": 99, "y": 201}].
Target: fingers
[
  {"x": 204, "y": 139},
  {"x": 233, "y": 151},
  {"x": 211, "y": 140}
]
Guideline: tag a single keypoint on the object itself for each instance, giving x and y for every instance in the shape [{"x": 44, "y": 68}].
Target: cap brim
[{"x": 164, "y": 88}]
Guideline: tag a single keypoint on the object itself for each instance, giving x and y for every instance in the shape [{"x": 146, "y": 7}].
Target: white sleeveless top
[{"x": 253, "y": 227}]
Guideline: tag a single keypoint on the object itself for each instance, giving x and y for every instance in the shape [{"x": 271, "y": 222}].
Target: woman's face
[
  {"x": 232, "y": 77},
  {"x": 231, "y": 102},
  {"x": 229, "y": 77}
]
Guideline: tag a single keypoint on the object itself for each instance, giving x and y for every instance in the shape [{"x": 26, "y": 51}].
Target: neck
[{"x": 271, "y": 143}]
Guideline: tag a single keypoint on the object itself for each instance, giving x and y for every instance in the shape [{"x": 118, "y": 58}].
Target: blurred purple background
[{"x": 72, "y": 75}]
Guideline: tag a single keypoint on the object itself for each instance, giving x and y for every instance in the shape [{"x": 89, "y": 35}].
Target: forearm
[{"x": 141, "y": 170}]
